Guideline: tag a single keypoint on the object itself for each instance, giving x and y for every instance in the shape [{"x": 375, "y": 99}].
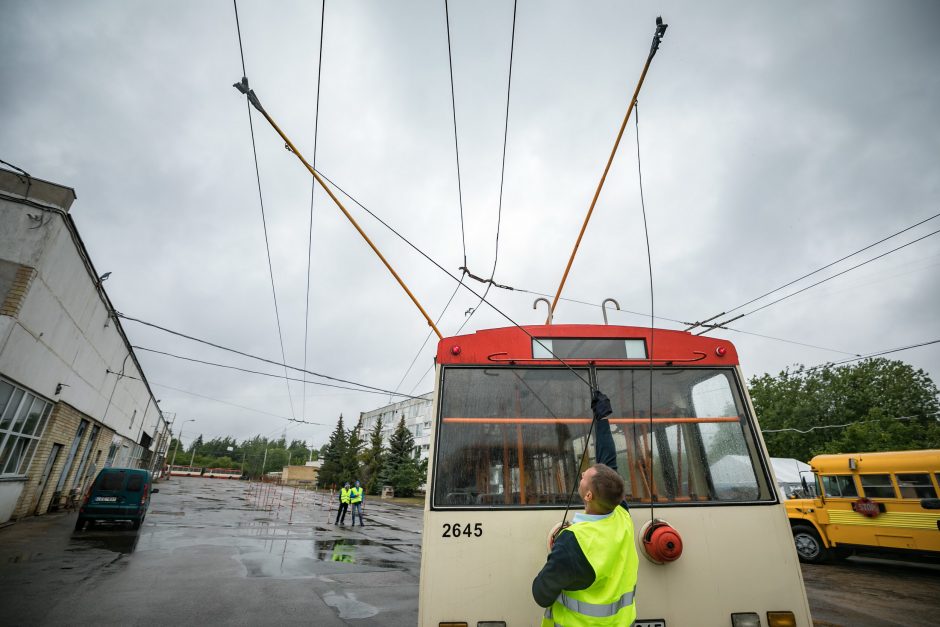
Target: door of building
[{"x": 44, "y": 480}]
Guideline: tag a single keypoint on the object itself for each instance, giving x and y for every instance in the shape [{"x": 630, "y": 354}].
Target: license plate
[
  {"x": 106, "y": 499},
  {"x": 654, "y": 622}
]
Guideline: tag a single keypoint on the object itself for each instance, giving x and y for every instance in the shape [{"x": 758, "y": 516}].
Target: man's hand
[{"x": 600, "y": 404}]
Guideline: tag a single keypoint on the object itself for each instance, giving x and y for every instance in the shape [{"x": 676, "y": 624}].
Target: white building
[
  {"x": 417, "y": 413},
  {"x": 73, "y": 397}
]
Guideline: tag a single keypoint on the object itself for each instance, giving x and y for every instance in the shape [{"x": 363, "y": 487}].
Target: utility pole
[{"x": 177, "y": 447}]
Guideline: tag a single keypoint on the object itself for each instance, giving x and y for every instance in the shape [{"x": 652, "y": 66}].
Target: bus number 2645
[{"x": 455, "y": 530}]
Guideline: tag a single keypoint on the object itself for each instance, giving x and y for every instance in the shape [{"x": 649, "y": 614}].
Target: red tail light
[
  {"x": 143, "y": 498},
  {"x": 87, "y": 495}
]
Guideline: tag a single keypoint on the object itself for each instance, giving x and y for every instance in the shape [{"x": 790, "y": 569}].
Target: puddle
[
  {"x": 348, "y": 606},
  {"x": 303, "y": 557}
]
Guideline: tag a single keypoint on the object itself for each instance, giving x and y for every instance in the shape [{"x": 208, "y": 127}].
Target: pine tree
[
  {"x": 351, "y": 465},
  {"x": 402, "y": 468},
  {"x": 332, "y": 470},
  {"x": 373, "y": 459}
]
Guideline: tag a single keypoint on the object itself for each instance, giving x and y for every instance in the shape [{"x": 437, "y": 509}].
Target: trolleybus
[
  {"x": 185, "y": 471},
  {"x": 223, "y": 473},
  {"x": 869, "y": 502},
  {"x": 512, "y": 419}
]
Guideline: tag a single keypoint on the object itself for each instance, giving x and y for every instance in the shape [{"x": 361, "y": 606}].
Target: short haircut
[{"x": 608, "y": 488}]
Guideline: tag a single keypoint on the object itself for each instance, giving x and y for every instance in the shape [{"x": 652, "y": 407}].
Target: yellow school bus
[{"x": 871, "y": 502}]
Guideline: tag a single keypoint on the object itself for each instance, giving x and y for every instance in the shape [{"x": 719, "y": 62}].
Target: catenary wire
[
  {"x": 502, "y": 175},
  {"x": 828, "y": 265},
  {"x": 869, "y": 355},
  {"x": 368, "y": 390},
  {"x": 448, "y": 273},
  {"x": 463, "y": 236},
  {"x": 264, "y": 225},
  {"x": 838, "y": 274},
  {"x": 313, "y": 189},
  {"x": 249, "y": 355},
  {"x": 848, "y": 424}
]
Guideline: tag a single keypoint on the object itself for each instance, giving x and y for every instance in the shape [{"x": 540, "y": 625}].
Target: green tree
[
  {"x": 402, "y": 468},
  {"x": 874, "y": 405},
  {"x": 333, "y": 457},
  {"x": 373, "y": 459},
  {"x": 351, "y": 463}
]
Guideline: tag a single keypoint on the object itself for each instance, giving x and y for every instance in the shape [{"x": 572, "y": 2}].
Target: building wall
[
  {"x": 294, "y": 474},
  {"x": 418, "y": 413},
  {"x": 61, "y": 429},
  {"x": 60, "y": 341}
]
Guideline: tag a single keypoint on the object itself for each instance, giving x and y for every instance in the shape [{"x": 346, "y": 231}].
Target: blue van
[{"x": 118, "y": 494}]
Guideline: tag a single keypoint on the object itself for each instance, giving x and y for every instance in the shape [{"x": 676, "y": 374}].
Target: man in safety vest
[
  {"x": 344, "y": 495},
  {"x": 590, "y": 576},
  {"x": 356, "y": 500}
]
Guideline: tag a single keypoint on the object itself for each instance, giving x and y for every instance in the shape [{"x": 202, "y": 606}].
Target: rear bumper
[{"x": 112, "y": 513}]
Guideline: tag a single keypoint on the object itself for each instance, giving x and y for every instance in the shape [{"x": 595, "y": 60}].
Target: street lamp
[{"x": 180, "y": 437}]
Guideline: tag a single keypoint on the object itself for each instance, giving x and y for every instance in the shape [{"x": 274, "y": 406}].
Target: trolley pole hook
[
  {"x": 535, "y": 305},
  {"x": 604, "y": 307}
]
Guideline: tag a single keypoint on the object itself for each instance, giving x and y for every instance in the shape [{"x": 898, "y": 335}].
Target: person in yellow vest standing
[
  {"x": 356, "y": 500},
  {"x": 590, "y": 576},
  {"x": 345, "y": 494}
]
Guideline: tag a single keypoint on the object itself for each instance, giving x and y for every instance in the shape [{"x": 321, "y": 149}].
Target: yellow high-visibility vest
[
  {"x": 356, "y": 495},
  {"x": 610, "y": 600},
  {"x": 344, "y": 495}
]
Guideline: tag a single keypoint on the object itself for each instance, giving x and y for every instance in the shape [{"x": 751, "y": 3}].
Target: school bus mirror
[{"x": 930, "y": 503}]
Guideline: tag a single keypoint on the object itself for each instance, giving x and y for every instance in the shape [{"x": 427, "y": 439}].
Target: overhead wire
[
  {"x": 463, "y": 236},
  {"x": 818, "y": 270},
  {"x": 249, "y": 355},
  {"x": 800, "y": 291},
  {"x": 875, "y": 354},
  {"x": 264, "y": 224},
  {"x": 313, "y": 189},
  {"x": 368, "y": 390},
  {"x": 502, "y": 176}
]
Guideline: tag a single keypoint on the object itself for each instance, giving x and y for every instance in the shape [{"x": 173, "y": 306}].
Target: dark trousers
[{"x": 341, "y": 514}]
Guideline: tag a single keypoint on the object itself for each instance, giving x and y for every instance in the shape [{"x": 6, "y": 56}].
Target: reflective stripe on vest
[{"x": 597, "y": 610}]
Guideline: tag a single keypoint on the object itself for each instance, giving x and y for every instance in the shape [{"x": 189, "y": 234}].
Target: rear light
[
  {"x": 781, "y": 619},
  {"x": 143, "y": 498},
  {"x": 745, "y": 619},
  {"x": 452, "y": 624},
  {"x": 491, "y": 623},
  {"x": 87, "y": 496}
]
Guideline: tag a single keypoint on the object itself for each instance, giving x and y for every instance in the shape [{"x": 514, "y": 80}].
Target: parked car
[{"x": 117, "y": 494}]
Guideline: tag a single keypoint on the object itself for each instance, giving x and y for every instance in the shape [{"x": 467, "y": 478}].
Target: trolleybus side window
[
  {"x": 514, "y": 436},
  {"x": 916, "y": 486},
  {"x": 839, "y": 486},
  {"x": 878, "y": 486}
]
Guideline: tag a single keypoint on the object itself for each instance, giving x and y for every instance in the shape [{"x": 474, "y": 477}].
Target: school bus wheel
[{"x": 809, "y": 546}]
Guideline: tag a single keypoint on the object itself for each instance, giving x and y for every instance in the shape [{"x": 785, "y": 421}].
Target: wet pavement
[
  {"x": 215, "y": 551},
  {"x": 872, "y": 592}
]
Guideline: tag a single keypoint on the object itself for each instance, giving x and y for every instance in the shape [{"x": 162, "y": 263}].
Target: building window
[{"x": 23, "y": 418}]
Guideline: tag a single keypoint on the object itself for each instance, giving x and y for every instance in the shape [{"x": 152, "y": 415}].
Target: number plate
[
  {"x": 654, "y": 622},
  {"x": 106, "y": 499}
]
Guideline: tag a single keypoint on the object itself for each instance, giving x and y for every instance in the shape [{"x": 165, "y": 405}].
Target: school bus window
[
  {"x": 916, "y": 486},
  {"x": 839, "y": 486},
  {"x": 877, "y": 486}
]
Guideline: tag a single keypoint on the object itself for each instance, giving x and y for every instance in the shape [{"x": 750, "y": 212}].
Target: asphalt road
[
  {"x": 212, "y": 552},
  {"x": 219, "y": 552}
]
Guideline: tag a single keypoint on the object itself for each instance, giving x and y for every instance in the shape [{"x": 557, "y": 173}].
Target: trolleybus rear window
[{"x": 514, "y": 436}]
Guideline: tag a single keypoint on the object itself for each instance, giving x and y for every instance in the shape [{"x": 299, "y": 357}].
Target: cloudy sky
[{"x": 773, "y": 140}]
